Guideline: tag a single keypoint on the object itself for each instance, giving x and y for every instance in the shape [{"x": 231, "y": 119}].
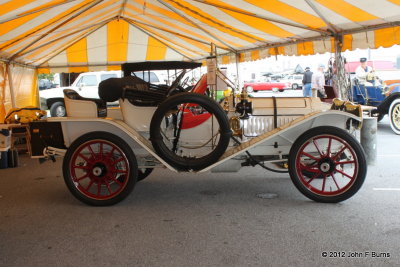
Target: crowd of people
[{"x": 364, "y": 76}]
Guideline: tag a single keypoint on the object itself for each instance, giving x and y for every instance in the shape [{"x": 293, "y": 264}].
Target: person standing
[
  {"x": 318, "y": 81},
  {"x": 307, "y": 83}
]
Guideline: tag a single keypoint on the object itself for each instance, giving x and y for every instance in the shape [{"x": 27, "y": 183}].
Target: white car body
[{"x": 295, "y": 81}]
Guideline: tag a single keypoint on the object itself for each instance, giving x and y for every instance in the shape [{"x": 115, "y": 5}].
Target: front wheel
[
  {"x": 249, "y": 89},
  {"x": 327, "y": 164},
  {"x": 295, "y": 86},
  {"x": 100, "y": 169},
  {"x": 380, "y": 117},
  {"x": 394, "y": 116},
  {"x": 57, "y": 109}
]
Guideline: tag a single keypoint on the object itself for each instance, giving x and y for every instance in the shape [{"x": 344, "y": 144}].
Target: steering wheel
[
  {"x": 175, "y": 83},
  {"x": 185, "y": 81}
]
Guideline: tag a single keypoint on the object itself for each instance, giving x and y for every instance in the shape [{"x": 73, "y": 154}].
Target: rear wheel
[
  {"x": 394, "y": 116},
  {"x": 327, "y": 164},
  {"x": 295, "y": 86},
  {"x": 100, "y": 169}
]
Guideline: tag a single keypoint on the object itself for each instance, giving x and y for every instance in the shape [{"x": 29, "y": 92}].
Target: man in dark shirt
[{"x": 307, "y": 83}]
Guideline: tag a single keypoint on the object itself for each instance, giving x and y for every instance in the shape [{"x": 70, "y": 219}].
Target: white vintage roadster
[{"x": 107, "y": 151}]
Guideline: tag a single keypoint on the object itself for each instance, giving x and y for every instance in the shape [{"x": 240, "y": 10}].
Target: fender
[
  {"x": 73, "y": 128},
  {"x": 383, "y": 107}
]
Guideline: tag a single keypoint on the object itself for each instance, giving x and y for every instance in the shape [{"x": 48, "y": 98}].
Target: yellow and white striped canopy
[{"x": 84, "y": 35}]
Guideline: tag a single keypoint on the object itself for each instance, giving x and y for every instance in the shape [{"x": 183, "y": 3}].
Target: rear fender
[{"x": 73, "y": 128}]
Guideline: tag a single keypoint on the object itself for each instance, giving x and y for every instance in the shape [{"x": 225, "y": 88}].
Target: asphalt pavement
[{"x": 185, "y": 219}]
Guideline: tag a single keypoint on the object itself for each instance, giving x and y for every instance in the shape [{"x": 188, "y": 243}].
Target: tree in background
[{"x": 49, "y": 76}]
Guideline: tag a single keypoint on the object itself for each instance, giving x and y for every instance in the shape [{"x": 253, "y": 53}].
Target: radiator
[{"x": 257, "y": 125}]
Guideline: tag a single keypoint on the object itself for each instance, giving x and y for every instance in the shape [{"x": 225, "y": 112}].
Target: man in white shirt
[
  {"x": 318, "y": 81},
  {"x": 363, "y": 71}
]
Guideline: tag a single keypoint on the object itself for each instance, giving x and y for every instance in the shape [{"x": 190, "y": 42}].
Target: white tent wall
[{"x": 23, "y": 90}]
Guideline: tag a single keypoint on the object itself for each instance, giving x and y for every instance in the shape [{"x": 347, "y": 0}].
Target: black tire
[
  {"x": 102, "y": 169},
  {"x": 143, "y": 174},
  {"x": 295, "y": 86},
  {"x": 380, "y": 117},
  {"x": 250, "y": 89},
  {"x": 281, "y": 90},
  {"x": 328, "y": 164},
  {"x": 184, "y": 163},
  {"x": 394, "y": 116},
  {"x": 57, "y": 109}
]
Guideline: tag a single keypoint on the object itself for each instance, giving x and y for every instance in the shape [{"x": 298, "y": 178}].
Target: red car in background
[{"x": 265, "y": 85}]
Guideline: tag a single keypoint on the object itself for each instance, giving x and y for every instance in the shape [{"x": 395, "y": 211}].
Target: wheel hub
[
  {"x": 99, "y": 170},
  {"x": 60, "y": 111},
  {"x": 326, "y": 165}
]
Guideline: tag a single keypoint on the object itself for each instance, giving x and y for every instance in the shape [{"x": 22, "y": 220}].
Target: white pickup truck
[{"x": 87, "y": 86}]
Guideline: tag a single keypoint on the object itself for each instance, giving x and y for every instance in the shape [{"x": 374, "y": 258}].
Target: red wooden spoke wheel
[
  {"x": 100, "y": 169},
  {"x": 327, "y": 164}
]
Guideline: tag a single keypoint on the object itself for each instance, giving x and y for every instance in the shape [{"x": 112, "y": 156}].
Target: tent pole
[
  {"x": 17, "y": 54},
  {"x": 341, "y": 80},
  {"x": 156, "y": 37},
  {"x": 11, "y": 86},
  {"x": 237, "y": 55},
  {"x": 241, "y": 11},
  {"x": 197, "y": 25}
]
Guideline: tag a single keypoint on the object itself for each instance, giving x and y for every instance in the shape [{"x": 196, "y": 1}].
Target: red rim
[
  {"x": 327, "y": 165},
  {"x": 99, "y": 169}
]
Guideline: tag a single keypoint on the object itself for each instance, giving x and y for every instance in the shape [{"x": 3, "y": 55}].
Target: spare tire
[{"x": 186, "y": 115}]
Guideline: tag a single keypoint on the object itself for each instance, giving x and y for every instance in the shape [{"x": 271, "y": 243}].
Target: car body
[
  {"x": 385, "y": 99},
  {"x": 165, "y": 127},
  {"x": 295, "y": 81},
  {"x": 265, "y": 85},
  {"x": 45, "y": 84}
]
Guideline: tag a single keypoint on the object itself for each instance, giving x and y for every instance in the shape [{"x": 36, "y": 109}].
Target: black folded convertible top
[{"x": 128, "y": 68}]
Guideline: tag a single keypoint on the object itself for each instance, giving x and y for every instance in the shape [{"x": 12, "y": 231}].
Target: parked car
[
  {"x": 295, "y": 81},
  {"x": 385, "y": 99},
  {"x": 45, "y": 84},
  {"x": 265, "y": 85},
  {"x": 86, "y": 84}
]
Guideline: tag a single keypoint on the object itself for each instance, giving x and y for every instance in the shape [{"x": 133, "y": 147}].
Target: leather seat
[
  {"x": 74, "y": 96},
  {"x": 330, "y": 94}
]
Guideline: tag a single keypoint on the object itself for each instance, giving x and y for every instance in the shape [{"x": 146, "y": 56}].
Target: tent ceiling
[{"x": 88, "y": 34}]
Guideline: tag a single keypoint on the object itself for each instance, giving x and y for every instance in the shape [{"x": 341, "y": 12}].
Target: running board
[{"x": 234, "y": 151}]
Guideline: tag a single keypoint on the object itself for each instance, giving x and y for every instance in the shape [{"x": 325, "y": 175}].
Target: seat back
[
  {"x": 330, "y": 94},
  {"x": 78, "y": 106}
]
